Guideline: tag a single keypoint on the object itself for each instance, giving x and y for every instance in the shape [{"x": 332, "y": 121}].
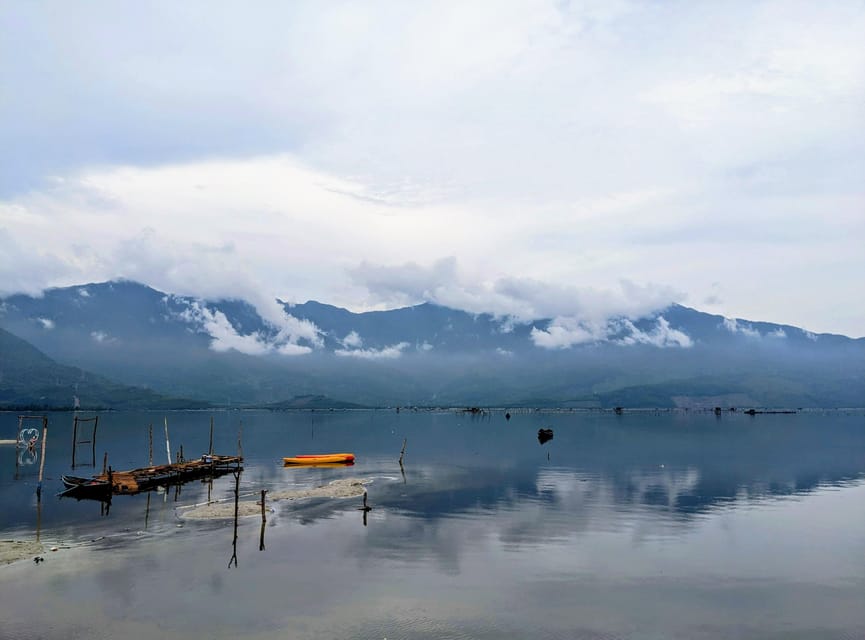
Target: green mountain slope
[{"x": 30, "y": 379}]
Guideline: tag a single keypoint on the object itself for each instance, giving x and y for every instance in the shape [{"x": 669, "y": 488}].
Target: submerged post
[
  {"x": 402, "y": 453},
  {"x": 151, "y": 446},
  {"x": 210, "y": 448}
]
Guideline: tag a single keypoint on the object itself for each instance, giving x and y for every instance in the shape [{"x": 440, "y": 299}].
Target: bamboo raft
[{"x": 147, "y": 478}]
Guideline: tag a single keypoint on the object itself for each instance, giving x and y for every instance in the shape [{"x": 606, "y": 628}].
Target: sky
[{"x": 528, "y": 158}]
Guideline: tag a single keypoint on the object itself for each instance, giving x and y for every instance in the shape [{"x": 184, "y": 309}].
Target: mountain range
[{"x": 122, "y": 343}]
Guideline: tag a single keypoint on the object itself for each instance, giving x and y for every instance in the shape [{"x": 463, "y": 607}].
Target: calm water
[{"x": 641, "y": 526}]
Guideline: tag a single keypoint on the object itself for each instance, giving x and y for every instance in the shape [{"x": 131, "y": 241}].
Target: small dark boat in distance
[{"x": 545, "y": 435}]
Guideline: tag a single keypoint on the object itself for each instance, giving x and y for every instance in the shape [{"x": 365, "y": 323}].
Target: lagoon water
[{"x": 637, "y": 526}]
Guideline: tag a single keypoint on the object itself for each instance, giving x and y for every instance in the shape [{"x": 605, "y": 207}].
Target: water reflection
[
  {"x": 237, "y": 473},
  {"x": 636, "y": 526}
]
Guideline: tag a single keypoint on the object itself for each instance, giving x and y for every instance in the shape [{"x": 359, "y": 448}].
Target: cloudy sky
[{"x": 535, "y": 158}]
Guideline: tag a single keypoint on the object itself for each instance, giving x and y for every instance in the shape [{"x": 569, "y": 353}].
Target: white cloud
[
  {"x": 47, "y": 323},
  {"x": 564, "y": 146},
  {"x": 566, "y": 332},
  {"x": 663, "y": 335},
  {"x": 224, "y": 337},
  {"x": 514, "y": 299},
  {"x": 101, "y": 337},
  {"x": 777, "y": 333},
  {"x": 352, "y": 340},
  {"x": 385, "y": 353},
  {"x": 734, "y": 326},
  {"x": 563, "y": 333},
  {"x": 291, "y": 349},
  {"x": 83, "y": 292}
]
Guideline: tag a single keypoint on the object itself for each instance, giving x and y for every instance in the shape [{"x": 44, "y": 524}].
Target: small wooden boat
[
  {"x": 320, "y": 458},
  {"x": 147, "y": 478},
  {"x": 86, "y": 488}
]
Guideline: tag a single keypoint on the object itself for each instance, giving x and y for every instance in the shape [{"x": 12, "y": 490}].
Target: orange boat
[{"x": 320, "y": 458}]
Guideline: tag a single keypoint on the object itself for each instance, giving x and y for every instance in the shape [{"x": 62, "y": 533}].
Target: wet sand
[
  {"x": 342, "y": 488},
  {"x": 13, "y": 550}
]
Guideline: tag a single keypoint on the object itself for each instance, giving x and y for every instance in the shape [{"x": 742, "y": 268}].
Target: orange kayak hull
[{"x": 322, "y": 458}]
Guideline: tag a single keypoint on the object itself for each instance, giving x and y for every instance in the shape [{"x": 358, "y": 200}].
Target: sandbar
[
  {"x": 342, "y": 488},
  {"x": 13, "y": 550}
]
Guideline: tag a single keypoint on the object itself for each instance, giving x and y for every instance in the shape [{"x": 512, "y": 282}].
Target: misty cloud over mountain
[{"x": 626, "y": 351}]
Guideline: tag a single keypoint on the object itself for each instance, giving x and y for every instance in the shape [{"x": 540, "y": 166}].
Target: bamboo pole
[
  {"x": 240, "y": 440},
  {"x": 167, "y": 443},
  {"x": 151, "y": 446},
  {"x": 93, "y": 438},
  {"x": 402, "y": 453},
  {"x": 74, "y": 438},
  {"x": 210, "y": 448},
  {"x": 263, "y": 522},
  {"x": 42, "y": 461}
]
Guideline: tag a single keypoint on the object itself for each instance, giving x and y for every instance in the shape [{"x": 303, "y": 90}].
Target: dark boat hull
[{"x": 86, "y": 488}]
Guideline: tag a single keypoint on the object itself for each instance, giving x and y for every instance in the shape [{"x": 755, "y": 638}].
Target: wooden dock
[{"x": 146, "y": 478}]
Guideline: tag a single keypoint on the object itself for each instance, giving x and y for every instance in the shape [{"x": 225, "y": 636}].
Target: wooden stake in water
[
  {"x": 240, "y": 440},
  {"x": 93, "y": 441},
  {"x": 210, "y": 448},
  {"x": 42, "y": 461},
  {"x": 263, "y": 522},
  {"x": 74, "y": 438},
  {"x": 167, "y": 443},
  {"x": 151, "y": 446}
]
